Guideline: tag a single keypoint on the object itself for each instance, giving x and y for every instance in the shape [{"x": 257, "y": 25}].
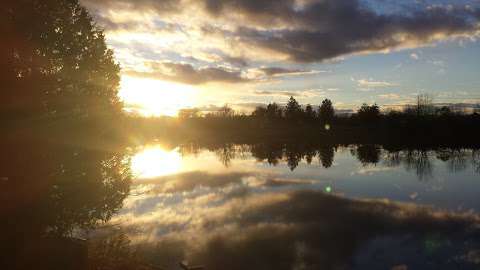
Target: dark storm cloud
[
  {"x": 160, "y": 6},
  {"x": 277, "y": 93},
  {"x": 318, "y": 30},
  {"x": 236, "y": 61},
  {"x": 186, "y": 73},
  {"x": 332, "y": 28},
  {"x": 262, "y": 11},
  {"x": 278, "y": 71}
]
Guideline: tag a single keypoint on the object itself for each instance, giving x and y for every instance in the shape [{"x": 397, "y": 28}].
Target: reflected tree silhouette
[
  {"x": 293, "y": 155},
  {"x": 56, "y": 191},
  {"x": 189, "y": 149},
  {"x": 273, "y": 153},
  {"x": 420, "y": 162},
  {"x": 326, "y": 155},
  {"x": 310, "y": 153},
  {"x": 476, "y": 160},
  {"x": 367, "y": 153},
  {"x": 225, "y": 154},
  {"x": 115, "y": 251},
  {"x": 392, "y": 159},
  {"x": 456, "y": 159}
]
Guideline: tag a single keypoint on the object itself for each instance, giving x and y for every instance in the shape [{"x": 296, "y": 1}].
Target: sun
[
  {"x": 154, "y": 161},
  {"x": 150, "y": 97}
]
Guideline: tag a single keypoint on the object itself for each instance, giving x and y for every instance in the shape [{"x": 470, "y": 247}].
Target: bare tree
[{"x": 425, "y": 104}]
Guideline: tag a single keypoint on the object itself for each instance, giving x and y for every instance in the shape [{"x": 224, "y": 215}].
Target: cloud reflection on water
[
  {"x": 296, "y": 230},
  {"x": 248, "y": 214}
]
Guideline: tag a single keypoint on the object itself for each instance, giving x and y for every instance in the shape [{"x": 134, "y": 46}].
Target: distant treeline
[
  {"x": 325, "y": 112},
  {"x": 420, "y": 123}
]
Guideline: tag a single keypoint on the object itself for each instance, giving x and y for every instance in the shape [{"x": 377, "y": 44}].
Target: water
[
  {"x": 230, "y": 206},
  {"x": 443, "y": 178},
  {"x": 294, "y": 206}
]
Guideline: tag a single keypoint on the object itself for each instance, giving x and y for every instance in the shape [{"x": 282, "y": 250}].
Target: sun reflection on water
[{"x": 154, "y": 161}]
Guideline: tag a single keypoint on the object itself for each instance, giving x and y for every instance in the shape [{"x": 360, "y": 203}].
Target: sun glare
[
  {"x": 154, "y": 161},
  {"x": 150, "y": 97}
]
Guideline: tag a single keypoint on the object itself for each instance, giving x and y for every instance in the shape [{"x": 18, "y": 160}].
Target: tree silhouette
[
  {"x": 424, "y": 105},
  {"x": 293, "y": 110},
  {"x": 309, "y": 112},
  {"x": 273, "y": 111},
  {"x": 326, "y": 111},
  {"x": 55, "y": 62},
  {"x": 188, "y": 113},
  {"x": 259, "y": 112},
  {"x": 226, "y": 111},
  {"x": 369, "y": 114},
  {"x": 443, "y": 111}
]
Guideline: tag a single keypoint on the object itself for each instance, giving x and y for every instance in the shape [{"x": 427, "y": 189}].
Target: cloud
[
  {"x": 278, "y": 71},
  {"x": 305, "y": 31},
  {"x": 369, "y": 84},
  {"x": 159, "y": 6},
  {"x": 303, "y": 93},
  {"x": 327, "y": 29},
  {"x": 276, "y": 93},
  {"x": 186, "y": 73},
  {"x": 236, "y": 61},
  {"x": 438, "y": 63},
  {"x": 390, "y": 96}
]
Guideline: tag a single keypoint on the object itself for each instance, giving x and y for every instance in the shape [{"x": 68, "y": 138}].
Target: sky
[{"x": 206, "y": 53}]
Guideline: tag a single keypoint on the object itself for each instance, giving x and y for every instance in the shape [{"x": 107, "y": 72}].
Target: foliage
[
  {"x": 369, "y": 113},
  {"x": 225, "y": 111},
  {"x": 189, "y": 113},
  {"x": 259, "y": 112},
  {"x": 424, "y": 105},
  {"x": 273, "y": 111},
  {"x": 326, "y": 111},
  {"x": 55, "y": 63},
  {"x": 309, "y": 112},
  {"x": 293, "y": 110}
]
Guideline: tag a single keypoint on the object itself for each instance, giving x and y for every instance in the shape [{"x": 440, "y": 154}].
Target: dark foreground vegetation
[
  {"x": 423, "y": 123},
  {"x": 60, "y": 170}
]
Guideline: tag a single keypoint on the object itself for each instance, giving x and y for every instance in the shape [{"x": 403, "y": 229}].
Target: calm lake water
[
  {"x": 228, "y": 206},
  {"x": 290, "y": 206}
]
